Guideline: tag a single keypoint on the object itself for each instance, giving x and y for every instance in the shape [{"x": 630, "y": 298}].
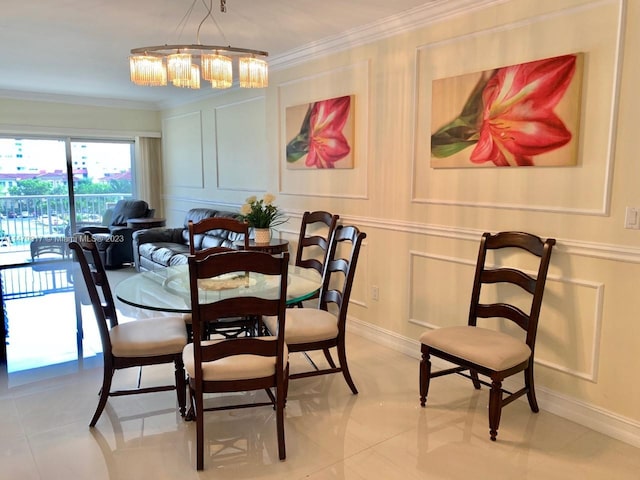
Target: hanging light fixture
[{"x": 182, "y": 65}]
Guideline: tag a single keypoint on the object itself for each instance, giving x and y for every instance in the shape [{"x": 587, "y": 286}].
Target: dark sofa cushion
[
  {"x": 126, "y": 209},
  {"x": 213, "y": 238},
  {"x": 164, "y": 247},
  {"x": 165, "y": 254}
]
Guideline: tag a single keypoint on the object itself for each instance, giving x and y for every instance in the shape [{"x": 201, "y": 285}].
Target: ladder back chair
[
  {"x": 486, "y": 351},
  {"x": 316, "y": 230},
  {"x": 137, "y": 343},
  {"x": 322, "y": 328},
  {"x": 313, "y": 244},
  {"x": 244, "y": 363},
  {"x": 227, "y": 327},
  {"x": 205, "y": 225}
]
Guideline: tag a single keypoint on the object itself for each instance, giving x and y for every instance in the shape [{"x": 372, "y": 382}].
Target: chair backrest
[
  {"x": 127, "y": 209},
  {"x": 216, "y": 223},
  {"x": 339, "y": 270},
  {"x": 207, "y": 305},
  {"x": 95, "y": 278},
  {"x": 533, "y": 285},
  {"x": 314, "y": 243}
]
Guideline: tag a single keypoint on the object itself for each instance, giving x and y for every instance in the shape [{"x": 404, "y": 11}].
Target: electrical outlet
[
  {"x": 375, "y": 293},
  {"x": 632, "y": 218}
]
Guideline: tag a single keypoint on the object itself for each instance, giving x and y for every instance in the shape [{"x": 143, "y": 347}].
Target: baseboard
[{"x": 590, "y": 416}]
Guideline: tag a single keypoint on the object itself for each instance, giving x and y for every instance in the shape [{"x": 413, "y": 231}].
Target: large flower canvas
[
  {"x": 519, "y": 115},
  {"x": 320, "y": 134}
]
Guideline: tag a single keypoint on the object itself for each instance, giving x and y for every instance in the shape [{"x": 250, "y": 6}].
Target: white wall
[
  {"x": 423, "y": 224},
  {"x": 60, "y": 118}
]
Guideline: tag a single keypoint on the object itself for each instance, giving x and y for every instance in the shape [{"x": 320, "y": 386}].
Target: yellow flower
[
  {"x": 269, "y": 198},
  {"x": 262, "y": 213}
]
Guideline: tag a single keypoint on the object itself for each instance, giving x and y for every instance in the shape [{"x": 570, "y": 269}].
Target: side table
[
  {"x": 143, "y": 223},
  {"x": 274, "y": 246}
]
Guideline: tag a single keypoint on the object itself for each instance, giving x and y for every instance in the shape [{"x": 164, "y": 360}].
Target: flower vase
[{"x": 262, "y": 236}]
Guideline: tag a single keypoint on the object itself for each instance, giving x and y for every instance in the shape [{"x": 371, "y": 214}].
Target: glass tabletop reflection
[{"x": 167, "y": 289}]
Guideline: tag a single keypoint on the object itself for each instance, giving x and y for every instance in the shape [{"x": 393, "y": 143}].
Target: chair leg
[
  {"x": 286, "y": 384},
  {"x": 495, "y": 408},
  {"x": 199, "y": 411},
  {"x": 281, "y": 395},
  {"x": 327, "y": 355},
  {"x": 191, "y": 413},
  {"x": 272, "y": 398},
  {"x": 425, "y": 376},
  {"x": 342, "y": 358},
  {"x": 475, "y": 379},
  {"x": 181, "y": 388},
  {"x": 107, "y": 375},
  {"x": 531, "y": 391}
]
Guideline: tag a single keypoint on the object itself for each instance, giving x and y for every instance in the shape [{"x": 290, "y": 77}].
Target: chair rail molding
[
  {"x": 570, "y": 246},
  {"x": 605, "y": 251}
]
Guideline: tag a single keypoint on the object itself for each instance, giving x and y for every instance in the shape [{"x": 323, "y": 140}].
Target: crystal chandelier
[{"x": 184, "y": 65}]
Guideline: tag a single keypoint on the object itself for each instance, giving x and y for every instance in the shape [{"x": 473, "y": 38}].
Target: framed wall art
[
  {"x": 518, "y": 115},
  {"x": 321, "y": 134}
]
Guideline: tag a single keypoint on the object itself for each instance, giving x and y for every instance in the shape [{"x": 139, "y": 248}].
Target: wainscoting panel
[
  {"x": 241, "y": 145},
  {"x": 183, "y": 164}
]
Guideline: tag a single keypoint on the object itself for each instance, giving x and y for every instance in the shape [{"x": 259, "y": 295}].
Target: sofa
[
  {"x": 115, "y": 239},
  {"x": 157, "y": 248}
]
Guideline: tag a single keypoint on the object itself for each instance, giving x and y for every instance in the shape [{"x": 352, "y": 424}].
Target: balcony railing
[{"x": 26, "y": 217}]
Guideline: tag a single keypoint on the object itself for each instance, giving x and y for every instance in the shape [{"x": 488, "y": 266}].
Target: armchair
[{"x": 115, "y": 240}]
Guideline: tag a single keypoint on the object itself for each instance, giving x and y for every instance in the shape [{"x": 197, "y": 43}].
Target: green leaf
[
  {"x": 297, "y": 148},
  {"x": 446, "y": 150}
]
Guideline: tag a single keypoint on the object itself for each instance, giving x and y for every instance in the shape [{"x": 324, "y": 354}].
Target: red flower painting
[
  {"x": 509, "y": 118},
  {"x": 321, "y": 140}
]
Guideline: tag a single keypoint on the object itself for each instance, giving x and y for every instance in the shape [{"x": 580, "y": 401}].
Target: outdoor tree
[{"x": 31, "y": 186}]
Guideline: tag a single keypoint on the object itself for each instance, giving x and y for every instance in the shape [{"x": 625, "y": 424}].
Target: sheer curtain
[{"x": 149, "y": 172}]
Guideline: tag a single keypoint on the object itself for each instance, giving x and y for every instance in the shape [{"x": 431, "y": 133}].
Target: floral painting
[
  {"x": 519, "y": 115},
  {"x": 320, "y": 134}
]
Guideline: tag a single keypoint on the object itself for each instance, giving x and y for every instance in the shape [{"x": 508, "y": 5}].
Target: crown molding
[
  {"x": 412, "y": 19},
  {"x": 77, "y": 100}
]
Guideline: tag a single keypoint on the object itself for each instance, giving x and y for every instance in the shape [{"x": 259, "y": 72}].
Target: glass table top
[{"x": 167, "y": 289}]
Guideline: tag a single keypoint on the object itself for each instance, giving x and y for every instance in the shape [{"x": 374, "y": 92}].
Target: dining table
[{"x": 168, "y": 289}]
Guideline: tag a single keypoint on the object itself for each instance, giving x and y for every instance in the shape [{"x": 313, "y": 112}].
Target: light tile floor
[{"x": 382, "y": 433}]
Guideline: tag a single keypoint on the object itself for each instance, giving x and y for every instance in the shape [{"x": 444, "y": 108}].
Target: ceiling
[{"x": 79, "y": 48}]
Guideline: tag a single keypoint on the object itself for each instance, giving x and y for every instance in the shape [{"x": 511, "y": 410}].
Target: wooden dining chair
[
  {"x": 137, "y": 343},
  {"x": 313, "y": 243},
  {"x": 322, "y": 328},
  {"x": 200, "y": 241},
  {"x": 227, "y": 327},
  {"x": 316, "y": 230},
  {"x": 244, "y": 363},
  {"x": 487, "y": 351}
]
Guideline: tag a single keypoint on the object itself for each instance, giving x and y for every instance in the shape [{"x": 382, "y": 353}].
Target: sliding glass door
[{"x": 49, "y": 188}]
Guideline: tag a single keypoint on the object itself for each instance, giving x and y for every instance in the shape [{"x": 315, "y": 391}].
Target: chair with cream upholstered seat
[
  {"x": 244, "y": 363},
  {"x": 137, "y": 343},
  {"x": 488, "y": 351},
  {"x": 322, "y": 328}
]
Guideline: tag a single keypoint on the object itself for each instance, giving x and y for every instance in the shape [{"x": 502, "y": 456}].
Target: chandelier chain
[{"x": 210, "y": 15}]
